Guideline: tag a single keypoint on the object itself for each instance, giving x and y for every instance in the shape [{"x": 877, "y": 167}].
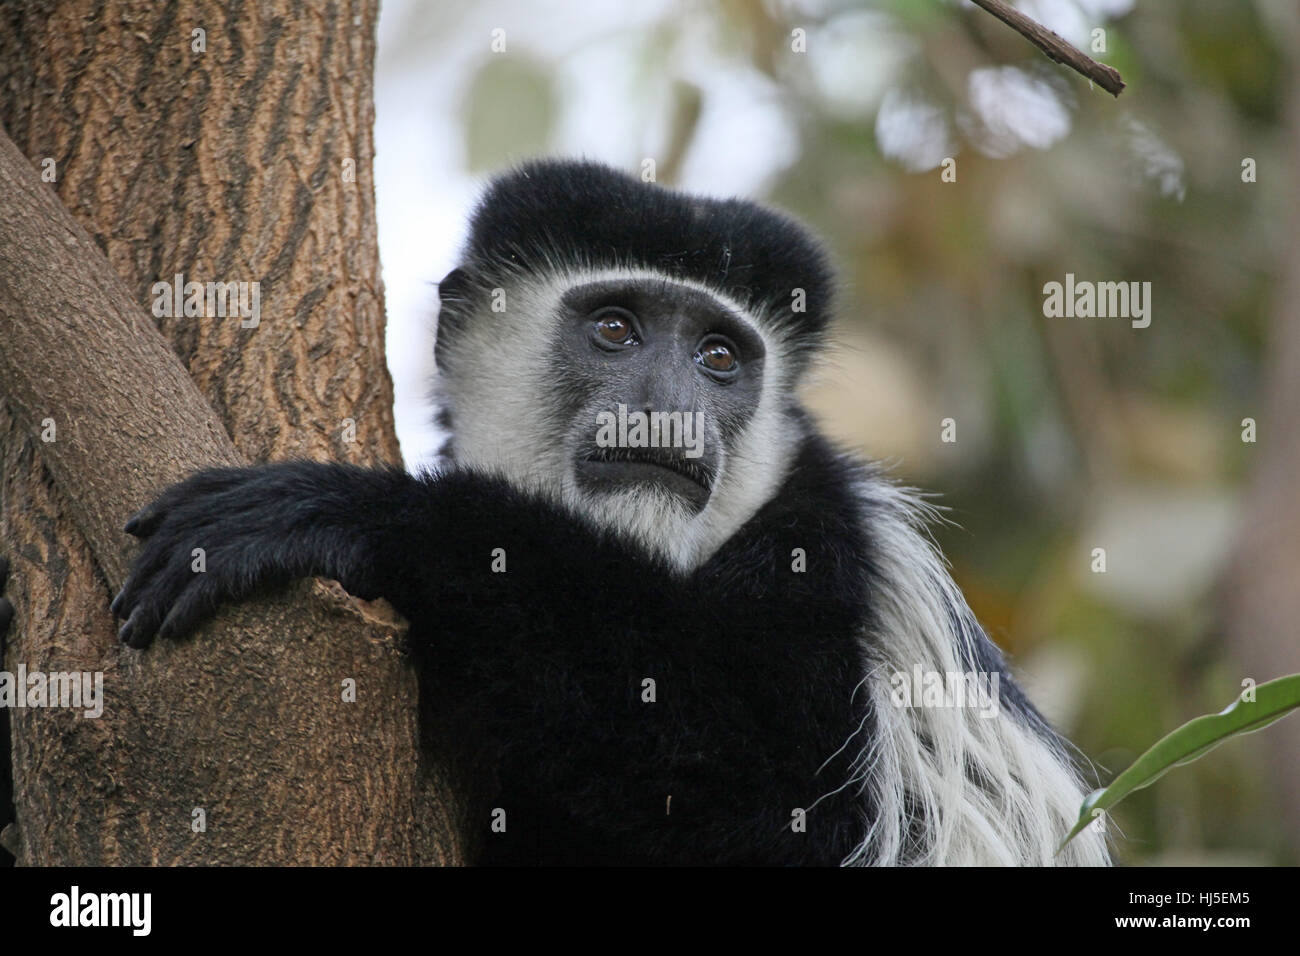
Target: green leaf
[{"x": 1272, "y": 701}]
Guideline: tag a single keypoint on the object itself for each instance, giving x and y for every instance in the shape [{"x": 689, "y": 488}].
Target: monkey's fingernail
[
  {"x": 132, "y": 524},
  {"x": 117, "y": 601}
]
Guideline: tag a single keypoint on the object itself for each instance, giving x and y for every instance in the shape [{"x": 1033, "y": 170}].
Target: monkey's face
[
  {"x": 659, "y": 381},
  {"x": 652, "y": 406}
]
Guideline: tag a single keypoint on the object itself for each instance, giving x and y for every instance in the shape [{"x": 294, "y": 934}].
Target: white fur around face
[{"x": 503, "y": 425}]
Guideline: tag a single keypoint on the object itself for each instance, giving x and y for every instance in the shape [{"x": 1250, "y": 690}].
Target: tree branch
[
  {"x": 248, "y": 728},
  {"x": 1057, "y": 48},
  {"x": 78, "y": 350}
]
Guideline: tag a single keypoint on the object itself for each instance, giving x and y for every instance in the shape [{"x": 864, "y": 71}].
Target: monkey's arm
[
  {"x": 261, "y": 527},
  {"x": 427, "y": 544}
]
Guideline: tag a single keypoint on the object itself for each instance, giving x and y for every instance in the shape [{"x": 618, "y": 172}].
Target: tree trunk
[{"x": 241, "y": 153}]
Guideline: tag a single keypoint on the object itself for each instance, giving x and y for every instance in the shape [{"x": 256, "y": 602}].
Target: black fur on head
[{"x": 549, "y": 215}]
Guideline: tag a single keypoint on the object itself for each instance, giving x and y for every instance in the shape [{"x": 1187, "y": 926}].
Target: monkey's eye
[
  {"x": 717, "y": 356},
  {"x": 616, "y": 328}
]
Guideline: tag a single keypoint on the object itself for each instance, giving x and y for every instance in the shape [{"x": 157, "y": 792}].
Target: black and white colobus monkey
[{"x": 668, "y": 655}]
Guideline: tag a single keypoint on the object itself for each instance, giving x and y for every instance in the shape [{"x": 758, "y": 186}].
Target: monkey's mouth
[{"x": 607, "y": 468}]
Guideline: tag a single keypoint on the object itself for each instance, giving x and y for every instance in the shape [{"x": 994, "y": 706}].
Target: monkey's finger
[
  {"x": 132, "y": 594},
  {"x": 146, "y": 521},
  {"x": 146, "y": 566},
  {"x": 150, "y": 563},
  {"x": 143, "y": 577},
  {"x": 126, "y": 597},
  {"x": 119, "y": 601},
  {"x": 148, "y": 603},
  {"x": 138, "y": 630},
  {"x": 6, "y": 615},
  {"x": 142, "y": 625},
  {"x": 4, "y": 572},
  {"x": 192, "y": 608}
]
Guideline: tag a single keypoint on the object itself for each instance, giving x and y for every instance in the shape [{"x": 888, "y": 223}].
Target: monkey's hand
[
  {"x": 225, "y": 534},
  {"x": 204, "y": 542}
]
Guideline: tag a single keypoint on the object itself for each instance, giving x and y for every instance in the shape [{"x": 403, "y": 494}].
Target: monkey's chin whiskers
[{"x": 661, "y": 522}]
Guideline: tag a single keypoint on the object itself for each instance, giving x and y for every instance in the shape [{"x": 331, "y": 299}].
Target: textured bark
[
  {"x": 223, "y": 166},
  {"x": 226, "y": 165}
]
